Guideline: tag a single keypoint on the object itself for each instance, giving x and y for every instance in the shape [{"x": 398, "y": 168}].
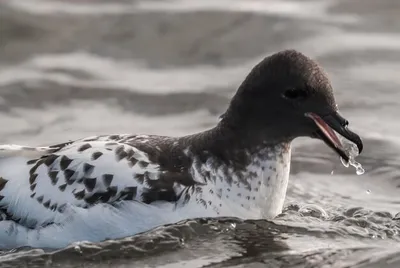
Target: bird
[{"x": 114, "y": 186}]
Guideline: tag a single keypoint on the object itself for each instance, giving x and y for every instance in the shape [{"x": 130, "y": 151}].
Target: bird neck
[
  {"x": 254, "y": 177},
  {"x": 234, "y": 142}
]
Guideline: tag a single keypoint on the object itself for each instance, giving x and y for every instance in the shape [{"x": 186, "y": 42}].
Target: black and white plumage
[{"x": 113, "y": 186}]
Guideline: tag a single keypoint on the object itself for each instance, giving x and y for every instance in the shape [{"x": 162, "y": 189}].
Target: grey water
[{"x": 70, "y": 69}]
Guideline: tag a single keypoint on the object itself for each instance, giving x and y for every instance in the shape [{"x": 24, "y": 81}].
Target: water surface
[{"x": 70, "y": 69}]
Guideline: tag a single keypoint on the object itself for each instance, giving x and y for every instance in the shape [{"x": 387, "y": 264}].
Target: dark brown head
[{"x": 288, "y": 95}]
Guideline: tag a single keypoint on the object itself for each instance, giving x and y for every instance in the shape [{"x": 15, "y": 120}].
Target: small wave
[
  {"x": 77, "y": 120},
  {"x": 310, "y": 10},
  {"x": 379, "y": 73},
  {"x": 336, "y": 40},
  {"x": 357, "y": 222},
  {"x": 231, "y": 241},
  {"x": 44, "y": 7},
  {"x": 103, "y": 72}
]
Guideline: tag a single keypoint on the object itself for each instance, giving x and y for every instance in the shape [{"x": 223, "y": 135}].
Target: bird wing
[{"x": 102, "y": 169}]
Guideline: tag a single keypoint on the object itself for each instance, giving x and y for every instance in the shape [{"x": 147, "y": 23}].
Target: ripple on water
[
  {"x": 298, "y": 231},
  {"x": 356, "y": 222}
]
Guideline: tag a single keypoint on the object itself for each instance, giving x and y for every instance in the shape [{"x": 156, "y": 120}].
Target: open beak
[{"x": 326, "y": 125}]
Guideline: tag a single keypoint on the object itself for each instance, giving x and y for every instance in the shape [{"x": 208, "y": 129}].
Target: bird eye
[{"x": 295, "y": 94}]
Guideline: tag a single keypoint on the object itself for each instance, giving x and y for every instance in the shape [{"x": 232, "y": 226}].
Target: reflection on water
[{"x": 170, "y": 68}]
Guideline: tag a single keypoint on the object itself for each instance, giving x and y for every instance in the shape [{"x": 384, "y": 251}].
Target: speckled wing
[{"x": 82, "y": 173}]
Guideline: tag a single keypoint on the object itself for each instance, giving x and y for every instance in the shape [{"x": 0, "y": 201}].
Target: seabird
[{"x": 113, "y": 186}]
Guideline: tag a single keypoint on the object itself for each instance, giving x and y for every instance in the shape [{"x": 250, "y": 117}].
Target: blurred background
[{"x": 75, "y": 68}]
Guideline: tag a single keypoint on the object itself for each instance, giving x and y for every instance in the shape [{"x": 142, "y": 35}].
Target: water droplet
[
  {"x": 368, "y": 191},
  {"x": 344, "y": 162},
  {"x": 359, "y": 170},
  {"x": 78, "y": 249},
  {"x": 214, "y": 228},
  {"x": 352, "y": 150},
  {"x": 313, "y": 211}
]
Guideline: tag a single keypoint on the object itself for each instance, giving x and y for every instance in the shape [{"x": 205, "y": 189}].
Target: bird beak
[{"x": 326, "y": 125}]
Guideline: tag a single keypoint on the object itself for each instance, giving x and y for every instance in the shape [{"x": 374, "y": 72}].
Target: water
[
  {"x": 70, "y": 69},
  {"x": 352, "y": 150}
]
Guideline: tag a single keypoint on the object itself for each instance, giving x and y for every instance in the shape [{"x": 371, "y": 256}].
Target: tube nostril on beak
[{"x": 343, "y": 122}]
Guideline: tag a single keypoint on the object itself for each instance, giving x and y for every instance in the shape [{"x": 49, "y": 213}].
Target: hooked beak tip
[{"x": 328, "y": 124}]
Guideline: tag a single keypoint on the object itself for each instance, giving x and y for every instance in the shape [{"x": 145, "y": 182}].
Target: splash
[{"x": 352, "y": 150}]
